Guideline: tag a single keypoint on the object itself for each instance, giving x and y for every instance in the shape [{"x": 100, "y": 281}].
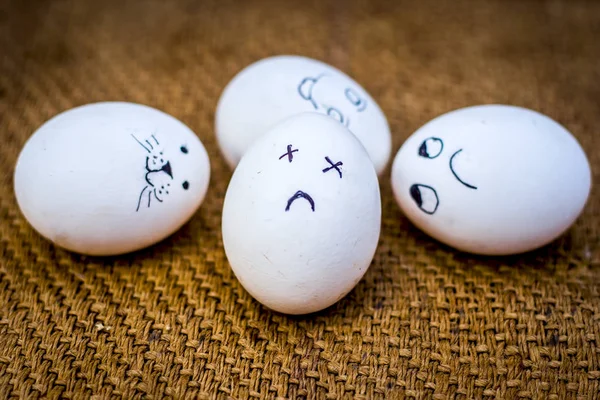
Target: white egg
[
  {"x": 275, "y": 88},
  {"x": 302, "y": 215},
  {"x": 110, "y": 178},
  {"x": 492, "y": 179}
]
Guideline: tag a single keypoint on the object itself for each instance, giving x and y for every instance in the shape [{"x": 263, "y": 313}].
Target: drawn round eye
[
  {"x": 334, "y": 113},
  {"x": 186, "y": 185},
  {"x": 425, "y": 197},
  {"x": 355, "y": 99},
  {"x": 183, "y": 149},
  {"x": 431, "y": 147}
]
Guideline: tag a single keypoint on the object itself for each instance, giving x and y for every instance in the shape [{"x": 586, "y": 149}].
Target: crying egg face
[
  {"x": 302, "y": 214},
  {"x": 492, "y": 179}
]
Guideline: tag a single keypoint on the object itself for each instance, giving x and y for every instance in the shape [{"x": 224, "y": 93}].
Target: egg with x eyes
[
  {"x": 302, "y": 215},
  {"x": 492, "y": 179}
]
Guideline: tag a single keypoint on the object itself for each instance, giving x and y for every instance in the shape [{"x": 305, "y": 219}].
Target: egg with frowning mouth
[
  {"x": 302, "y": 215},
  {"x": 492, "y": 179}
]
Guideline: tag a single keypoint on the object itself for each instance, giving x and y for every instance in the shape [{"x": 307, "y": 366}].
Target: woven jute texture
[{"x": 172, "y": 321}]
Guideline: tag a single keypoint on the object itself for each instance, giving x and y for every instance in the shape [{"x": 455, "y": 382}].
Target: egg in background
[
  {"x": 275, "y": 88},
  {"x": 492, "y": 179}
]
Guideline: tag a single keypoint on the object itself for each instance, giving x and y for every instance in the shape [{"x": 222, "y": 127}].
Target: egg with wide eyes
[
  {"x": 302, "y": 215},
  {"x": 492, "y": 179},
  {"x": 275, "y": 88},
  {"x": 110, "y": 178}
]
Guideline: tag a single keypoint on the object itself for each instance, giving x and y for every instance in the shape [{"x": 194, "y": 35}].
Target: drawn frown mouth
[
  {"x": 455, "y": 174},
  {"x": 300, "y": 195}
]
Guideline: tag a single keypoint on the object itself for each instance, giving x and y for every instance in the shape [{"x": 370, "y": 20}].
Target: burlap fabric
[{"x": 426, "y": 322}]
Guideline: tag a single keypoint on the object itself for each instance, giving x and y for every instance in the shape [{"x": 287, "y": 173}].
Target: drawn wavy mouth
[
  {"x": 300, "y": 195},
  {"x": 456, "y": 175}
]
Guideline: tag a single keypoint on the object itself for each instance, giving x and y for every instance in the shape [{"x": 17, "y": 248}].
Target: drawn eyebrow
[{"x": 334, "y": 166}]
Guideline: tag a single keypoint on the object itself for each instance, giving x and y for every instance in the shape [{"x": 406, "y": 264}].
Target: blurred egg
[
  {"x": 302, "y": 215},
  {"x": 110, "y": 178},
  {"x": 492, "y": 179},
  {"x": 275, "y": 88}
]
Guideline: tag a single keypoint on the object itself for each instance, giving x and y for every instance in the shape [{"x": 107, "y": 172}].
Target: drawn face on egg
[
  {"x": 302, "y": 214},
  {"x": 159, "y": 175},
  {"x": 300, "y": 194},
  {"x": 425, "y": 195},
  {"x": 305, "y": 187},
  {"x": 326, "y": 95}
]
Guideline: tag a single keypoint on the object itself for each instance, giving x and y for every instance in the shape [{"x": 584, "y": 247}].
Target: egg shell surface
[
  {"x": 492, "y": 179},
  {"x": 110, "y": 178},
  {"x": 302, "y": 215},
  {"x": 274, "y": 88}
]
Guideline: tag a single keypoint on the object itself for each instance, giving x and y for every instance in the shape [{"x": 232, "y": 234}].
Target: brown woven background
[{"x": 426, "y": 322}]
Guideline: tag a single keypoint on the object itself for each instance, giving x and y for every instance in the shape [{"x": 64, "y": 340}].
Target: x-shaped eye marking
[
  {"x": 334, "y": 166},
  {"x": 289, "y": 153}
]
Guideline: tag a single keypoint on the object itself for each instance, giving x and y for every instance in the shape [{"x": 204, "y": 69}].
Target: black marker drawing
[
  {"x": 300, "y": 195},
  {"x": 307, "y": 92},
  {"x": 289, "y": 153},
  {"x": 422, "y": 195},
  {"x": 334, "y": 166},
  {"x": 431, "y": 147},
  {"x": 456, "y": 175},
  {"x": 158, "y": 172}
]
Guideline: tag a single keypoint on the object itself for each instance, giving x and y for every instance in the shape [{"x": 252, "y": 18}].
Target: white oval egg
[
  {"x": 492, "y": 179},
  {"x": 275, "y": 88},
  {"x": 302, "y": 215},
  {"x": 110, "y": 178}
]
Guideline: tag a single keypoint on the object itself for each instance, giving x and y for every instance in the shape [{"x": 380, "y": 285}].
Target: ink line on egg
[
  {"x": 334, "y": 166},
  {"x": 300, "y": 195}
]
